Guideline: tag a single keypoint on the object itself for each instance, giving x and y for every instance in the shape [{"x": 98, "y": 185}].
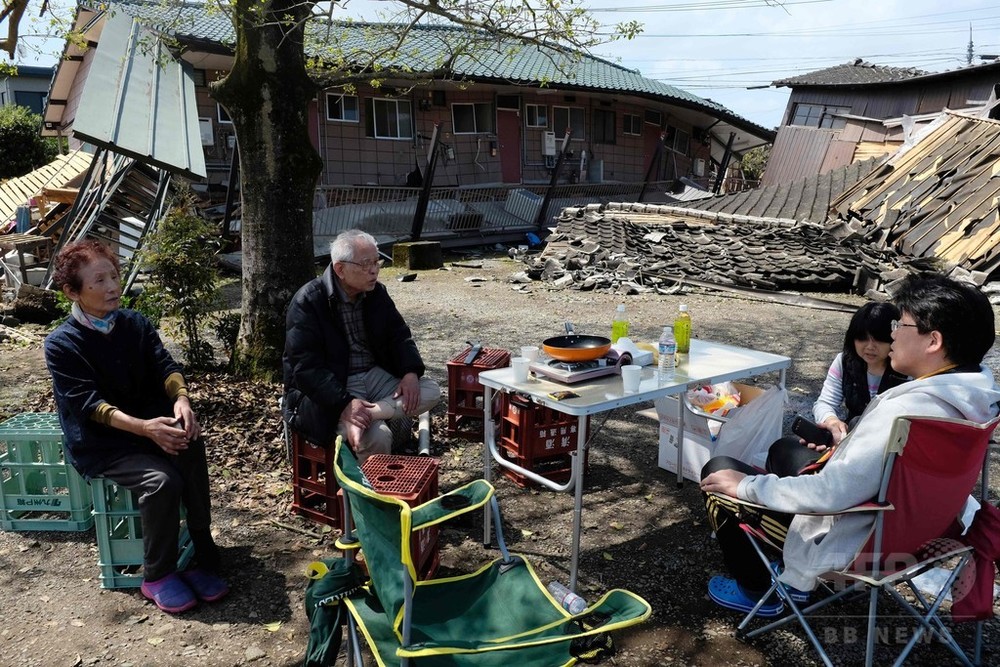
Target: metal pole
[
  {"x": 540, "y": 220},
  {"x": 724, "y": 164},
  {"x": 425, "y": 193},
  {"x": 234, "y": 174},
  {"x": 654, "y": 163}
]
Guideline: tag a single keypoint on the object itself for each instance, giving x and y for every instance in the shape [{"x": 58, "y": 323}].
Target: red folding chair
[{"x": 932, "y": 466}]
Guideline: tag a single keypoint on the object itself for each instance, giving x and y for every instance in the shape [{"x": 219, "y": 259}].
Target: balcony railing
[{"x": 458, "y": 212}]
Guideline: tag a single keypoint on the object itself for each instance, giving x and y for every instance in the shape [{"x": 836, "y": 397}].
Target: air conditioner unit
[
  {"x": 549, "y": 144},
  {"x": 698, "y": 166}
]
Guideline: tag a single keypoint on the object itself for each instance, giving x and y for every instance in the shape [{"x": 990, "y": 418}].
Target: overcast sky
[{"x": 719, "y": 48}]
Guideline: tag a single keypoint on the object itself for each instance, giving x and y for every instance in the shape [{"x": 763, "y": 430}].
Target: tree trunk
[{"x": 267, "y": 94}]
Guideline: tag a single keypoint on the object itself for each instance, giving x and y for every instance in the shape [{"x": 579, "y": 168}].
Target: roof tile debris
[
  {"x": 855, "y": 73},
  {"x": 937, "y": 199},
  {"x": 645, "y": 247}
]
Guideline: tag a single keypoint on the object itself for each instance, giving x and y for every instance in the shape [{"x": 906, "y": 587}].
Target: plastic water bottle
[
  {"x": 619, "y": 325},
  {"x": 666, "y": 348},
  {"x": 570, "y": 601},
  {"x": 682, "y": 329}
]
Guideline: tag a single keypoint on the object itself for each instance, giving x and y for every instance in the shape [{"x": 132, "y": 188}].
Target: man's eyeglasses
[
  {"x": 896, "y": 324},
  {"x": 367, "y": 265}
]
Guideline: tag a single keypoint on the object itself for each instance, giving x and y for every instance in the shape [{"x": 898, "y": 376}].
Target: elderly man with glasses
[{"x": 350, "y": 364}]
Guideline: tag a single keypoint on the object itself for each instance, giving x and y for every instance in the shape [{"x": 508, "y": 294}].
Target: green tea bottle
[{"x": 682, "y": 330}]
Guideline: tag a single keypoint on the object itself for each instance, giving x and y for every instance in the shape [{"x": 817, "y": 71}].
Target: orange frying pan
[{"x": 576, "y": 347}]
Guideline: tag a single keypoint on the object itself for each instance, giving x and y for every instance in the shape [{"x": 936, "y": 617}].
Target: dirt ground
[{"x": 640, "y": 531}]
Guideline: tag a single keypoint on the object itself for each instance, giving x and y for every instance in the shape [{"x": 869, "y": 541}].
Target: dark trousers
[
  {"x": 161, "y": 483},
  {"x": 786, "y": 457}
]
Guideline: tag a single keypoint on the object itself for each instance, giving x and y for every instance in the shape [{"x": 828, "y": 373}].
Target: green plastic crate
[
  {"x": 38, "y": 489},
  {"x": 119, "y": 536}
]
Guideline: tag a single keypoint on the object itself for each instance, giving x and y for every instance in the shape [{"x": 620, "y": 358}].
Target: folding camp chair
[
  {"x": 932, "y": 466},
  {"x": 497, "y": 616}
]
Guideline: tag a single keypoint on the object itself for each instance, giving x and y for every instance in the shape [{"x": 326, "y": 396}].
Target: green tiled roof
[{"x": 509, "y": 61}]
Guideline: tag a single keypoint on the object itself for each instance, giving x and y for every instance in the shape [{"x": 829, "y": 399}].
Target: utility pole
[{"x": 968, "y": 57}]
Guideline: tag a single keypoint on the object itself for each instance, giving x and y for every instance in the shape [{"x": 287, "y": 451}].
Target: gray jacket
[{"x": 818, "y": 544}]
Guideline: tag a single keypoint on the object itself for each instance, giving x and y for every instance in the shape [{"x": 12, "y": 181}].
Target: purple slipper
[
  {"x": 207, "y": 586},
  {"x": 169, "y": 593}
]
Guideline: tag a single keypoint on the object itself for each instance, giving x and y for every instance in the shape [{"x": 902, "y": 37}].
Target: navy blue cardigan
[{"x": 126, "y": 368}]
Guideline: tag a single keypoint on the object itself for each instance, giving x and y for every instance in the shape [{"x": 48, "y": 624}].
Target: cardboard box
[{"x": 700, "y": 433}]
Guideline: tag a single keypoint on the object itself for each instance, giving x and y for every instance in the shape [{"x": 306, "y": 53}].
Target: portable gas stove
[{"x": 569, "y": 372}]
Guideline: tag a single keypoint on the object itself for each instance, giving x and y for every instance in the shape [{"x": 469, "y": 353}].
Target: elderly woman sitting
[{"x": 126, "y": 416}]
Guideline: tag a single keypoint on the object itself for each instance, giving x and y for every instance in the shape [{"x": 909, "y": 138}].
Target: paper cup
[
  {"x": 529, "y": 352},
  {"x": 630, "y": 378},
  {"x": 520, "y": 366}
]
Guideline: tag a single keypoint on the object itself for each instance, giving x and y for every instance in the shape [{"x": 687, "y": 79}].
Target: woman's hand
[
  {"x": 186, "y": 418},
  {"x": 167, "y": 433}
]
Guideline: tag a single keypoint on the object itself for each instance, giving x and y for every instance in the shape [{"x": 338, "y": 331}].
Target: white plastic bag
[{"x": 752, "y": 427}]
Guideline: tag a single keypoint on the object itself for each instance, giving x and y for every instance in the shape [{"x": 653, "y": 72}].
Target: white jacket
[{"x": 818, "y": 544}]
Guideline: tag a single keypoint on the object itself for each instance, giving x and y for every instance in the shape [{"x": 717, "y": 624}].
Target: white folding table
[{"x": 707, "y": 363}]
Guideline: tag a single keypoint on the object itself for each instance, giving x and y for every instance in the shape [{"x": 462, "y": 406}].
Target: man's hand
[
  {"x": 722, "y": 481},
  {"x": 836, "y": 427},
  {"x": 358, "y": 417},
  {"x": 409, "y": 391}
]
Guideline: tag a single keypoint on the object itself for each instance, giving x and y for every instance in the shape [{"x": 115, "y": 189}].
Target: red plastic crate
[
  {"x": 465, "y": 393},
  {"x": 315, "y": 492},
  {"x": 538, "y": 439},
  {"x": 530, "y": 431},
  {"x": 557, "y": 468},
  {"x": 414, "y": 480}
]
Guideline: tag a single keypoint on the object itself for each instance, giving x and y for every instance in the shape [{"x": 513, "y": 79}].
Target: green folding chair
[{"x": 496, "y": 616}]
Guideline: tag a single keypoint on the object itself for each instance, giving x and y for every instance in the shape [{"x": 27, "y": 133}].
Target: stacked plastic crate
[
  {"x": 465, "y": 393},
  {"x": 314, "y": 484},
  {"x": 40, "y": 491},
  {"x": 119, "y": 536},
  {"x": 538, "y": 439},
  {"x": 414, "y": 480}
]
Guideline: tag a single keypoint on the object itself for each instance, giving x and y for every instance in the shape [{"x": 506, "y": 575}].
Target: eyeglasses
[
  {"x": 367, "y": 265},
  {"x": 896, "y": 324}
]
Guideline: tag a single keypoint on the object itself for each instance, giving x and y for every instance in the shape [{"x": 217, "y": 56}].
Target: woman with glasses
[{"x": 351, "y": 366}]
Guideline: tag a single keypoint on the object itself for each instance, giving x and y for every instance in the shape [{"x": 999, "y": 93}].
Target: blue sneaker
[
  {"x": 729, "y": 594},
  {"x": 794, "y": 593}
]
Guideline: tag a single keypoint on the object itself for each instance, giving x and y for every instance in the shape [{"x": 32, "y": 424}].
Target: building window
[
  {"x": 682, "y": 141},
  {"x": 604, "y": 126},
  {"x": 632, "y": 123},
  {"x": 389, "y": 119},
  {"x": 654, "y": 118},
  {"x": 471, "y": 118},
  {"x": 223, "y": 115},
  {"x": 536, "y": 115},
  {"x": 33, "y": 100},
  {"x": 342, "y": 108},
  {"x": 819, "y": 115},
  {"x": 571, "y": 117}
]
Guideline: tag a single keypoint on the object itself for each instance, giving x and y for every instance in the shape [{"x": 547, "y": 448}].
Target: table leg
[
  {"x": 579, "y": 458},
  {"x": 681, "y": 409},
  {"x": 487, "y": 460}
]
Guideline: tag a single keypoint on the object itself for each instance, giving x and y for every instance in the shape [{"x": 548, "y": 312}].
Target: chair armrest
[
  {"x": 870, "y": 506},
  {"x": 459, "y": 501}
]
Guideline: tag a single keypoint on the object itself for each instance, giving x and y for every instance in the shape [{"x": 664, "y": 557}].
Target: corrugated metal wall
[{"x": 798, "y": 152}]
